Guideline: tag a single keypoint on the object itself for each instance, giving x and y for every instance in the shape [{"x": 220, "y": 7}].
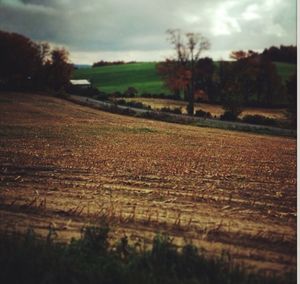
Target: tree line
[
  {"x": 102, "y": 63},
  {"x": 28, "y": 65},
  {"x": 286, "y": 54},
  {"x": 251, "y": 79}
]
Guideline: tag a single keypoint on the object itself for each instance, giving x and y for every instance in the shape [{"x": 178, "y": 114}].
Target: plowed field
[{"x": 63, "y": 166}]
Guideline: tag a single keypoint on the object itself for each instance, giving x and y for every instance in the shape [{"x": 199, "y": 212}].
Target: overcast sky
[{"x": 95, "y": 30}]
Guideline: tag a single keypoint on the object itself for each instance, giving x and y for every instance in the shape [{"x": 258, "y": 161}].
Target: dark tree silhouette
[
  {"x": 287, "y": 54},
  {"x": 257, "y": 77},
  {"x": 230, "y": 89},
  {"x": 204, "y": 77},
  {"x": 27, "y": 65},
  {"x": 20, "y": 60},
  {"x": 292, "y": 97},
  {"x": 58, "y": 69}
]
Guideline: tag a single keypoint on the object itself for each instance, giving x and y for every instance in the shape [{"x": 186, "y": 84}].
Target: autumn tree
[
  {"x": 179, "y": 73},
  {"x": 175, "y": 76},
  {"x": 230, "y": 89},
  {"x": 20, "y": 60},
  {"x": 245, "y": 72},
  {"x": 241, "y": 54},
  {"x": 204, "y": 77},
  {"x": 27, "y": 65},
  {"x": 58, "y": 69},
  {"x": 257, "y": 77}
]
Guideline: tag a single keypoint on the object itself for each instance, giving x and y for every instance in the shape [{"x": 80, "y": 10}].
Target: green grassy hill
[{"x": 142, "y": 76}]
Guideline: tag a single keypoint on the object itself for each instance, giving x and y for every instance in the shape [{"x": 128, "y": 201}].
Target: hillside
[
  {"x": 114, "y": 78},
  {"x": 142, "y": 76},
  {"x": 64, "y": 165}
]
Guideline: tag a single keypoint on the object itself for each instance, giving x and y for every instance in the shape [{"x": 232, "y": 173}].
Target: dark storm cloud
[{"x": 140, "y": 25}]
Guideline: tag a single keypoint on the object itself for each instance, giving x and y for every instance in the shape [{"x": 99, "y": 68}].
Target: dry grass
[
  {"x": 215, "y": 110},
  {"x": 63, "y": 165}
]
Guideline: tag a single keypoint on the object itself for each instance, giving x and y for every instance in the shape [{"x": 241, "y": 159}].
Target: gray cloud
[{"x": 124, "y": 26}]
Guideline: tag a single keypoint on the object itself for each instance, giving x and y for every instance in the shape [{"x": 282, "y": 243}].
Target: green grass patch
[
  {"x": 142, "y": 76},
  {"x": 91, "y": 259}
]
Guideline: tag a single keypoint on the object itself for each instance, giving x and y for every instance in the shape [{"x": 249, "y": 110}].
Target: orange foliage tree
[{"x": 179, "y": 73}]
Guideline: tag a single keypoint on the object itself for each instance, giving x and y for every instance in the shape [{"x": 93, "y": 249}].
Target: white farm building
[{"x": 82, "y": 83}]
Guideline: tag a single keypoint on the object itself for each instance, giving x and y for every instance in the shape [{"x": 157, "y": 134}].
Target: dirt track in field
[{"x": 65, "y": 166}]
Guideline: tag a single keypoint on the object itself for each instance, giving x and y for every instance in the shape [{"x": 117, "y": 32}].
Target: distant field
[
  {"x": 113, "y": 78},
  {"x": 142, "y": 76}
]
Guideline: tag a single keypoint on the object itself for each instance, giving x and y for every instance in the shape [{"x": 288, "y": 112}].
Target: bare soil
[{"x": 64, "y": 166}]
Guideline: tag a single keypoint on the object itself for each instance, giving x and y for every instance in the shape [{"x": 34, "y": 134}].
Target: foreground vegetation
[{"x": 91, "y": 259}]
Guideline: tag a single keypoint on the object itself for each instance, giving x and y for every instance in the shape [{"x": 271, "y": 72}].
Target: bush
[
  {"x": 130, "y": 92},
  {"x": 161, "y": 96},
  {"x": 259, "y": 119},
  {"x": 176, "y": 110},
  {"x": 90, "y": 259},
  {"x": 132, "y": 104},
  {"x": 229, "y": 115},
  {"x": 202, "y": 113}
]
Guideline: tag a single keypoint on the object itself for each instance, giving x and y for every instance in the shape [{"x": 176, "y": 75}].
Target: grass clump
[
  {"x": 202, "y": 113},
  {"x": 176, "y": 110},
  {"x": 91, "y": 259},
  {"x": 260, "y": 120},
  {"x": 132, "y": 104}
]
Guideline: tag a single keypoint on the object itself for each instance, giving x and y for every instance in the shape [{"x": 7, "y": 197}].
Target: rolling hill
[
  {"x": 114, "y": 78},
  {"x": 142, "y": 76}
]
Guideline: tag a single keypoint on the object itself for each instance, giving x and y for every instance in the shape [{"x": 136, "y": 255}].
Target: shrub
[
  {"x": 202, "y": 113},
  {"x": 259, "y": 119},
  {"x": 130, "y": 92},
  {"x": 176, "y": 110},
  {"x": 161, "y": 96},
  {"x": 90, "y": 259},
  {"x": 229, "y": 115},
  {"x": 132, "y": 104}
]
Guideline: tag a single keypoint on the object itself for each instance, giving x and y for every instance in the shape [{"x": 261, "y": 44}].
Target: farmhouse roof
[{"x": 80, "y": 82}]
